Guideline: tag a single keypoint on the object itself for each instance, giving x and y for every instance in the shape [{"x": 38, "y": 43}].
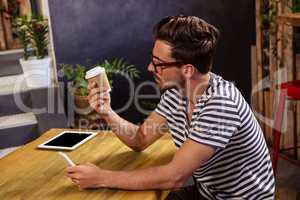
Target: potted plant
[
  {"x": 77, "y": 84},
  {"x": 75, "y": 74},
  {"x": 36, "y": 64}
]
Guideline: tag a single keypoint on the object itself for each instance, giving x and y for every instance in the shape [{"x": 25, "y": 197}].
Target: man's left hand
[{"x": 86, "y": 175}]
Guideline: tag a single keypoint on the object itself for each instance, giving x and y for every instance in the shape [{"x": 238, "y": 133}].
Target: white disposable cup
[{"x": 98, "y": 75}]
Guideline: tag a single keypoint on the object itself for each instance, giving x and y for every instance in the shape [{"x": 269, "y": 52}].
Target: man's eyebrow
[{"x": 157, "y": 58}]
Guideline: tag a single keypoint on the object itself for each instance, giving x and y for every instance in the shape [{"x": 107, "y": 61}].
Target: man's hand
[
  {"x": 169, "y": 176},
  {"x": 86, "y": 176},
  {"x": 99, "y": 99}
]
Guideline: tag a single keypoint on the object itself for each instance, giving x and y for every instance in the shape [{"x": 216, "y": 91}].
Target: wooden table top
[{"x": 31, "y": 173}]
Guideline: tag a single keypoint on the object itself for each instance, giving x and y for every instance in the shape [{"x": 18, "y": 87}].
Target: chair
[{"x": 291, "y": 91}]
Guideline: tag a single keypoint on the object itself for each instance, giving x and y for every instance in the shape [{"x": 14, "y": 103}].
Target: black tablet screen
[{"x": 68, "y": 139}]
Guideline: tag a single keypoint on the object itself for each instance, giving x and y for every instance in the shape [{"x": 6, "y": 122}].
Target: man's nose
[{"x": 151, "y": 68}]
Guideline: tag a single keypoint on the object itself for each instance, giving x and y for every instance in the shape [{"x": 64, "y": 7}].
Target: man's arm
[
  {"x": 187, "y": 159},
  {"x": 137, "y": 138}
]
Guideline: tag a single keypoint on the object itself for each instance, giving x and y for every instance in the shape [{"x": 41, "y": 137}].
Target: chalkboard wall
[{"x": 98, "y": 29}]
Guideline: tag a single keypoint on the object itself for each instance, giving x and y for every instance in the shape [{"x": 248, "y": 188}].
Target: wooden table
[{"x": 31, "y": 173}]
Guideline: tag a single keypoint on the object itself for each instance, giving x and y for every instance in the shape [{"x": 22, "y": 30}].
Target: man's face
[{"x": 168, "y": 75}]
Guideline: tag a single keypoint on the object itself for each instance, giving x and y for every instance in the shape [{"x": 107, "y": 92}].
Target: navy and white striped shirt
[{"x": 241, "y": 166}]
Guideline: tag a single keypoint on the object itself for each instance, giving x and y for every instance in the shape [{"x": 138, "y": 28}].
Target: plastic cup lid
[{"x": 94, "y": 72}]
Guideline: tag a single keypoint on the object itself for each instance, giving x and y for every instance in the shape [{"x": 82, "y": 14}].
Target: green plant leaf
[
  {"x": 117, "y": 66},
  {"x": 68, "y": 71},
  {"x": 296, "y": 6},
  {"x": 33, "y": 33},
  {"x": 76, "y": 73}
]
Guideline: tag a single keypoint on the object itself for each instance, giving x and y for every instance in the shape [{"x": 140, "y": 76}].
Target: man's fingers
[
  {"x": 104, "y": 95},
  {"x": 92, "y": 85},
  {"x": 104, "y": 89},
  {"x": 93, "y": 89},
  {"x": 97, "y": 100},
  {"x": 93, "y": 92},
  {"x": 73, "y": 169},
  {"x": 94, "y": 98},
  {"x": 101, "y": 102},
  {"x": 97, "y": 106},
  {"x": 70, "y": 169},
  {"x": 97, "y": 92},
  {"x": 75, "y": 180},
  {"x": 74, "y": 176},
  {"x": 94, "y": 105}
]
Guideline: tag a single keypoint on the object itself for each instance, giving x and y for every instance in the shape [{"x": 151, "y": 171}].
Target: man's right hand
[
  {"x": 135, "y": 137},
  {"x": 99, "y": 99}
]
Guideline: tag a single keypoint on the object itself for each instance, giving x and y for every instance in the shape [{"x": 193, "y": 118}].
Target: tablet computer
[{"x": 68, "y": 140}]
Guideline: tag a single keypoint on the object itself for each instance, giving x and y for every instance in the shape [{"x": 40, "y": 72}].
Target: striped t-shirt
[{"x": 241, "y": 166}]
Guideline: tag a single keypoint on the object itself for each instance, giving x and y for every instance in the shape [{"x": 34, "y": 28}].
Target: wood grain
[
  {"x": 25, "y": 7},
  {"x": 289, "y": 65},
  {"x": 292, "y": 19},
  {"x": 31, "y": 173},
  {"x": 7, "y": 26},
  {"x": 254, "y": 98},
  {"x": 287, "y": 194},
  {"x": 259, "y": 69},
  {"x": 2, "y": 33}
]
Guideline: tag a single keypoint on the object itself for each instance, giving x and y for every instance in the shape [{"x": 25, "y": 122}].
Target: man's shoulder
[
  {"x": 219, "y": 81},
  {"x": 172, "y": 93},
  {"x": 223, "y": 89}
]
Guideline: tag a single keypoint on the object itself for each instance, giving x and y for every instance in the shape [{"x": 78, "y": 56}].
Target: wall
[{"x": 98, "y": 29}]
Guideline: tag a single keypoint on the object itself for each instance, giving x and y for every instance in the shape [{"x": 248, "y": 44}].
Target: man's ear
[{"x": 188, "y": 70}]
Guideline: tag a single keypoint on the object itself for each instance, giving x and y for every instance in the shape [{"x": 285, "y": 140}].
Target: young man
[{"x": 218, "y": 139}]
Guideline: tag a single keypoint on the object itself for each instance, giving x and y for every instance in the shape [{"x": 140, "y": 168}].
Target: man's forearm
[
  {"x": 160, "y": 177},
  {"x": 127, "y": 132}
]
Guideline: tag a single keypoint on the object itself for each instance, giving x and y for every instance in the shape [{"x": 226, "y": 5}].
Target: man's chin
[{"x": 166, "y": 86}]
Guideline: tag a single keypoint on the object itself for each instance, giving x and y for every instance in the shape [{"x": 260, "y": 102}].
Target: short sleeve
[
  {"x": 216, "y": 122},
  {"x": 162, "y": 107}
]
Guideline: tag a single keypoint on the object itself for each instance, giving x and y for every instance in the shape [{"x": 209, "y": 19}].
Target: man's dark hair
[{"x": 193, "y": 40}]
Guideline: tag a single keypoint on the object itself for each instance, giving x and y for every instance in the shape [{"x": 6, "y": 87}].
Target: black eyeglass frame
[{"x": 163, "y": 64}]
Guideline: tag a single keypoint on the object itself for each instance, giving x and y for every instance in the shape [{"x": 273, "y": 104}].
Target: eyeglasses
[{"x": 163, "y": 64}]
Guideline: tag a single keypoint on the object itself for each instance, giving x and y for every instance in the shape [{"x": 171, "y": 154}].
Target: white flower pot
[{"x": 37, "y": 72}]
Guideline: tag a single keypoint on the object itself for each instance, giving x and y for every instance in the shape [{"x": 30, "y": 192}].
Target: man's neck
[{"x": 196, "y": 86}]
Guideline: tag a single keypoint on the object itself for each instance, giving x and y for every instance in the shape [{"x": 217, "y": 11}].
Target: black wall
[{"x": 98, "y": 30}]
